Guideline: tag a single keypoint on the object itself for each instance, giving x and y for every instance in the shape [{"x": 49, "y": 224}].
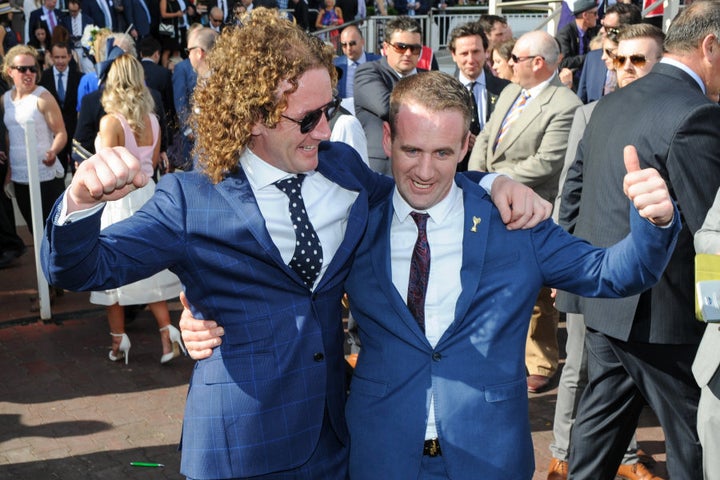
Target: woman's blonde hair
[
  {"x": 14, "y": 52},
  {"x": 247, "y": 66},
  {"x": 125, "y": 92}
]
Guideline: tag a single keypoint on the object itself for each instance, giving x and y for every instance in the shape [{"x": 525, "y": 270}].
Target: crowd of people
[{"x": 465, "y": 168}]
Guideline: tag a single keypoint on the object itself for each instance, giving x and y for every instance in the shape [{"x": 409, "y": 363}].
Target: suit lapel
[
  {"x": 379, "y": 236},
  {"x": 478, "y": 209},
  {"x": 527, "y": 117},
  {"x": 238, "y": 194}
]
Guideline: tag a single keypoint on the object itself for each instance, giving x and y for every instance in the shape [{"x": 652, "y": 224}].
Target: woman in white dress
[{"x": 130, "y": 122}]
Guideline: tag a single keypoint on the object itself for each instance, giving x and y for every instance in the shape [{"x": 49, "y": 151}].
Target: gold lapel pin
[{"x": 476, "y": 222}]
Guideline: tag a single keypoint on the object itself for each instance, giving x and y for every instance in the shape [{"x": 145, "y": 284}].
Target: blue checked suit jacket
[
  {"x": 256, "y": 405},
  {"x": 477, "y": 369}
]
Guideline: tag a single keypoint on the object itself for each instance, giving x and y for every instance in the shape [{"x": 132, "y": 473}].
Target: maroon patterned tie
[{"x": 419, "y": 271}]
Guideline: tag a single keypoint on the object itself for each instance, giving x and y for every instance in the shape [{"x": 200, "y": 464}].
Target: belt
[{"x": 431, "y": 448}]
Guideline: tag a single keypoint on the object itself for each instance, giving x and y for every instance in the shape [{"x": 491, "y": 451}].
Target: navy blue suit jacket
[
  {"x": 135, "y": 14},
  {"x": 257, "y": 404},
  {"x": 342, "y": 63},
  {"x": 477, "y": 369},
  {"x": 592, "y": 77}
]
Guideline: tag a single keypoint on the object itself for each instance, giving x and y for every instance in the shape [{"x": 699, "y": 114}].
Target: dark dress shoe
[{"x": 537, "y": 383}]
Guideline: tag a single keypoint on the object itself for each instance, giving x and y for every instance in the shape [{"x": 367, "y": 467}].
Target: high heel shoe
[
  {"x": 123, "y": 348},
  {"x": 177, "y": 344}
]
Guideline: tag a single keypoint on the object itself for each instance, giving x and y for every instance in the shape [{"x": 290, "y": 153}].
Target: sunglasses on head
[
  {"x": 637, "y": 60},
  {"x": 25, "y": 68},
  {"x": 415, "y": 49},
  {"x": 351, "y": 43},
  {"x": 311, "y": 119}
]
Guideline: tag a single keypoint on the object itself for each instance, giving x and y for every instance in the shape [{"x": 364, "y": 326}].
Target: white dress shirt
[
  {"x": 328, "y": 206},
  {"x": 444, "y": 228}
]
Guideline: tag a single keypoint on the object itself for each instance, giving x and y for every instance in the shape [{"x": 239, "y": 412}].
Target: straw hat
[{"x": 6, "y": 8}]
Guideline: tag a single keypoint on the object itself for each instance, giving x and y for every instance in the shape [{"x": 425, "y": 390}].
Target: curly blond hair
[
  {"x": 14, "y": 52},
  {"x": 247, "y": 66},
  {"x": 125, "y": 92}
]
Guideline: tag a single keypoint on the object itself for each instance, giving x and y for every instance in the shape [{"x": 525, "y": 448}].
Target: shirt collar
[
  {"x": 260, "y": 173},
  {"x": 537, "y": 89},
  {"x": 438, "y": 212},
  {"x": 466, "y": 81},
  {"x": 686, "y": 69}
]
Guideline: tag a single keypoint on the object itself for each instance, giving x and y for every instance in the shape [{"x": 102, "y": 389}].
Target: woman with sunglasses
[
  {"x": 25, "y": 101},
  {"x": 129, "y": 122}
]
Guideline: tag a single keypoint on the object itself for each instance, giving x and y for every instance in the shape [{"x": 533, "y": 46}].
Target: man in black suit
[
  {"x": 375, "y": 80},
  {"x": 62, "y": 82},
  {"x": 468, "y": 46},
  {"x": 75, "y": 22},
  {"x": 157, "y": 77},
  {"x": 102, "y": 12},
  {"x": 574, "y": 38},
  {"x": 641, "y": 348}
]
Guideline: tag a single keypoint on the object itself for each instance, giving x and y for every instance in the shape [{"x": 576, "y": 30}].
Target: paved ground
[{"x": 67, "y": 412}]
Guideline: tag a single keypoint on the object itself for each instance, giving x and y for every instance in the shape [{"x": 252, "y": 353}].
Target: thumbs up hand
[{"x": 647, "y": 190}]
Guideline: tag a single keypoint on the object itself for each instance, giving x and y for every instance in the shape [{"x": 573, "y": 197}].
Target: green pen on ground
[{"x": 145, "y": 464}]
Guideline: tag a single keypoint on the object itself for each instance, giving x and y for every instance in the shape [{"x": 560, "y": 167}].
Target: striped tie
[{"x": 512, "y": 115}]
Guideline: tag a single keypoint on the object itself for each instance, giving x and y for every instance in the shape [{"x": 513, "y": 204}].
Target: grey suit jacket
[
  {"x": 676, "y": 129},
  {"x": 374, "y": 81},
  {"x": 707, "y": 361},
  {"x": 533, "y": 149}
]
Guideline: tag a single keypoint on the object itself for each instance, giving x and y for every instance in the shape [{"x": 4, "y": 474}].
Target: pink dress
[{"x": 161, "y": 286}]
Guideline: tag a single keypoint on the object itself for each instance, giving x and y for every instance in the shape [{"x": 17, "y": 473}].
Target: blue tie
[
  {"x": 61, "y": 88},
  {"x": 307, "y": 259}
]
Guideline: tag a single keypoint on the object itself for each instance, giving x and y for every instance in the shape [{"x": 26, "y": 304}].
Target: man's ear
[{"x": 387, "y": 139}]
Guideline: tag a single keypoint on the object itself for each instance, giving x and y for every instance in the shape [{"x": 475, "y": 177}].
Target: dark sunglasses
[
  {"x": 517, "y": 59},
  {"x": 25, "y": 68},
  {"x": 404, "y": 47},
  {"x": 351, "y": 43},
  {"x": 311, "y": 119},
  {"x": 610, "y": 53},
  {"x": 637, "y": 60},
  {"x": 188, "y": 50}
]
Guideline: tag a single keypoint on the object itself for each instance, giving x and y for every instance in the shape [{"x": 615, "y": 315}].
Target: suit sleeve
[
  {"x": 569, "y": 60},
  {"x": 80, "y": 257},
  {"x": 478, "y": 156},
  {"x": 371, "y": 92},
  {"x": 692, "y": 160},
  {"x": 577, "y": 129},
  {"x": 87, "y": 126}
]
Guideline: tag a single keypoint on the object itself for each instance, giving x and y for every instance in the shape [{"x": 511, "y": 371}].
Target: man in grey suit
[
  {"x": 640, "y": 349},
  {"x": 706, "y": 367},
  {"x": 375, "y": 80},
  {"x": 526, "y": 137}
]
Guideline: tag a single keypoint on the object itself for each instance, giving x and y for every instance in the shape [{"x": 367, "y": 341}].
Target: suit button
[
  {"x": 318, "y": 357},
  {"x": 437, "y": 356}
]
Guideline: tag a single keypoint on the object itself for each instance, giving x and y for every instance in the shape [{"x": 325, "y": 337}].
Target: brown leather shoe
[
  {"x": 636, "y": 471},
  {"x": 558, "y": 470},
  {"x": 537, "y": 383}
]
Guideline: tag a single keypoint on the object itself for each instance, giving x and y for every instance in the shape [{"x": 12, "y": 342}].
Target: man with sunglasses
[
  {"x": 641, "y": 39},
  {"x": 526, "y": 138},
  {"x": 641, "y": 349},
  {"x": 353, "y": 47},
  {"x": 596, "y": 79},
  {"x": 375, "y": 80},
  {"x": 263, "y": 238}
]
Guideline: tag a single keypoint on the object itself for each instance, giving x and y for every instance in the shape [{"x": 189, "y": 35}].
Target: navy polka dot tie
[{"x": 307, "y": 259}]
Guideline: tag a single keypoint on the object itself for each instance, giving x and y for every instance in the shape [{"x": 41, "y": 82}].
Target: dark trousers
[
  {"x": 49, "y": 191},
  {"x": 622, "y": 377},
  {"x": 9, "y": 239}
]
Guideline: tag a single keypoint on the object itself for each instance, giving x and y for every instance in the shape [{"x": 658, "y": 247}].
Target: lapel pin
[{"x": 476, "y": 222}]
